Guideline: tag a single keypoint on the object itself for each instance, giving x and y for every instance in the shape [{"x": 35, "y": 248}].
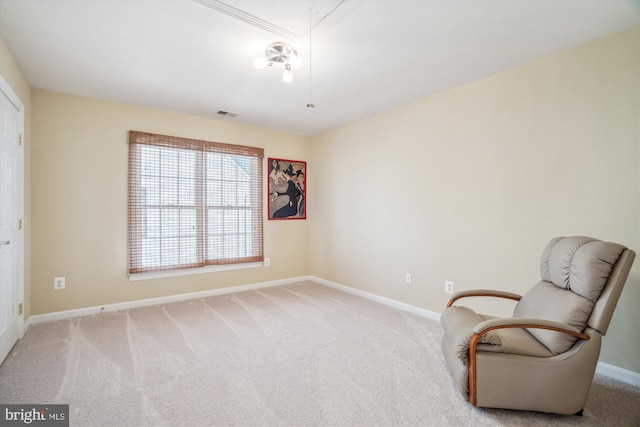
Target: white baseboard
[
  {"x": 619, "y": 374},
  {"x": 611, "y": 371},
  {"x": 27, "y": 324},
  {"x": 89, "y": 311},
  {"x": 388, "y": 301}
]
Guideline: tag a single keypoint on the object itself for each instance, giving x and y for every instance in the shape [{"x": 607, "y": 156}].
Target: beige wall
[
  {"x": 12, "y": 73},
  {"x": 79, "y": 191},
  {"x": 469, "y": 185}
]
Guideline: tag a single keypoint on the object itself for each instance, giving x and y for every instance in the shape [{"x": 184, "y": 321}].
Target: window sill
[{"x": 190, "y": 271}]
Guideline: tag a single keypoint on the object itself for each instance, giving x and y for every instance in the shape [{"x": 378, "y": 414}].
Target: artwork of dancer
[{"x": 287, "y": 184}]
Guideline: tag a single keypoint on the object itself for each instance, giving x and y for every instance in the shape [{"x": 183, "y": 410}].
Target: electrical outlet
[
  {"x": 448, "y": 286},
  {"x": 267, "y": 262},
  {"x": 58, "y": 283},
  {"x": 407, "y": 278}
]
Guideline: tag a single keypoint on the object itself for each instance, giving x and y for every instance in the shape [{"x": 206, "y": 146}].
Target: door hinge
[
  {"x": 20, "y": 221},
  {"x": 20, "y": 139},
  {"x": 20, "y": 308}
]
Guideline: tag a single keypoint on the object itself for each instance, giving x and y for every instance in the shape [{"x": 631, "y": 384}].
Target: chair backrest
[
  {"x": 582, "y": 279},
  {"x": 603, "y": 310}
]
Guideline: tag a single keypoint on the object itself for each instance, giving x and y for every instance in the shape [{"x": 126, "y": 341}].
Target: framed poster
[{"x": 287, "y": 185}]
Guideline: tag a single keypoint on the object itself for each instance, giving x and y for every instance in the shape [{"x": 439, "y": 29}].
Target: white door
[{"x": 11, "y": 208}]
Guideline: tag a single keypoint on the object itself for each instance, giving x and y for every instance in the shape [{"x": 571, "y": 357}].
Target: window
[{"x": 193, "y": 203}]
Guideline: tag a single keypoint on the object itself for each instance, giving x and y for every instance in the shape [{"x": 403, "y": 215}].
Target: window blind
[{"x": 193, "y": 203}]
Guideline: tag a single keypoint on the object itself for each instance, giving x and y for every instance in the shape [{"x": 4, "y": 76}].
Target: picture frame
[{"x": 287, "y": 188}]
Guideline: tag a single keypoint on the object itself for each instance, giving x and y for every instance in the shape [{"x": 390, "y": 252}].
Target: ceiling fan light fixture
[
  {"x": 281, "y": 53},
  {"x": 287, "y": 75}
]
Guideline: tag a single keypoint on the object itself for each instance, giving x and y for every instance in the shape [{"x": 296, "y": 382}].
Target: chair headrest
[{"x": 580, "y": 264}]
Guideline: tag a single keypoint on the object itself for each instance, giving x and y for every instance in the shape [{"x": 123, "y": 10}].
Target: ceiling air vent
[{"x": 226, "y": 113}]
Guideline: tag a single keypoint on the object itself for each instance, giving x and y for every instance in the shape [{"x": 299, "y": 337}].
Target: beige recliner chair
[{"x": 544, "y": 357}]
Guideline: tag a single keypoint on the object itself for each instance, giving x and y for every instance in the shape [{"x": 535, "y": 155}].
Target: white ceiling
[{"x": 368, "y": 56}]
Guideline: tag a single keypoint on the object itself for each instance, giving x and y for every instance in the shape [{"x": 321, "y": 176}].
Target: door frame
[{"x": 5, "y": 88}]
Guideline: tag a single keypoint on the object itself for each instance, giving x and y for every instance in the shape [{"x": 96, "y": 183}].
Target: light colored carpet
[{"x": 299, "y": 355}]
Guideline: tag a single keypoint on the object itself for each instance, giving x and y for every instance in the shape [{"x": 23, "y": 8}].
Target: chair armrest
[
  {"x": 527, "y": 322},
  {"x": 484, "y": 293}
]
